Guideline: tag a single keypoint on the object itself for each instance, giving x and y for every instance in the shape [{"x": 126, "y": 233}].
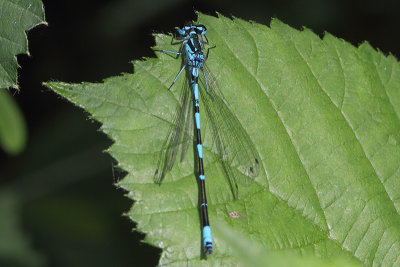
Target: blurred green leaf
[
  {"x": 254, "y": 254},
  {"x": 13, "y": 132},
  {"x": 324, "y": 118},
  {"x": 17, "y": 16},
  {"x": 15, "y": 249}
]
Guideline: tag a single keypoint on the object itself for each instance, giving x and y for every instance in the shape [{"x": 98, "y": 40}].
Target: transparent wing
[
  {"x": 237, "y": 151},
  {"x": 180, "y": 134},
  {"x": 188, "y": 136}
]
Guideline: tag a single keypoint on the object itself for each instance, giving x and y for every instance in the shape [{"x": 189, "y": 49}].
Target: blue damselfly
[{"x": 235, "y": 147}]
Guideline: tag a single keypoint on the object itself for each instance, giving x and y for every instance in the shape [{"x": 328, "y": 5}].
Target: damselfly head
[
  {"x": 190, "y": 29},
  {"x": 201, "y": 29}
]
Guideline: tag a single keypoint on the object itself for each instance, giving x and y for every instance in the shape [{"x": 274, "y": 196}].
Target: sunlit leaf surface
[{"x": 323, "y": 116}]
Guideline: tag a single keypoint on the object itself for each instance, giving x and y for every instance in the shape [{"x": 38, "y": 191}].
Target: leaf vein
[
  {"x": 24, "y": 9},
  {"x": 348, "y": 122},
  {"x": 277, "y": 113}
]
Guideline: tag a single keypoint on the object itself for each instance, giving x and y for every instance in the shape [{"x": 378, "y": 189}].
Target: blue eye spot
[{"x": 181, "y": 31}]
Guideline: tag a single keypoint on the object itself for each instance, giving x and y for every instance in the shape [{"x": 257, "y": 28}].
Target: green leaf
[
  {"x": 12, "y": 125},
  {"x": 15, "y": 247},
  {"x": 323, "y": 116},
  {"x": 253, "y": 254},
  {"x": 17, "y": 16}
]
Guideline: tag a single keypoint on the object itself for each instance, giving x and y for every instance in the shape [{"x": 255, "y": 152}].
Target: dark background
[{"x": 69, "y": 209}]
